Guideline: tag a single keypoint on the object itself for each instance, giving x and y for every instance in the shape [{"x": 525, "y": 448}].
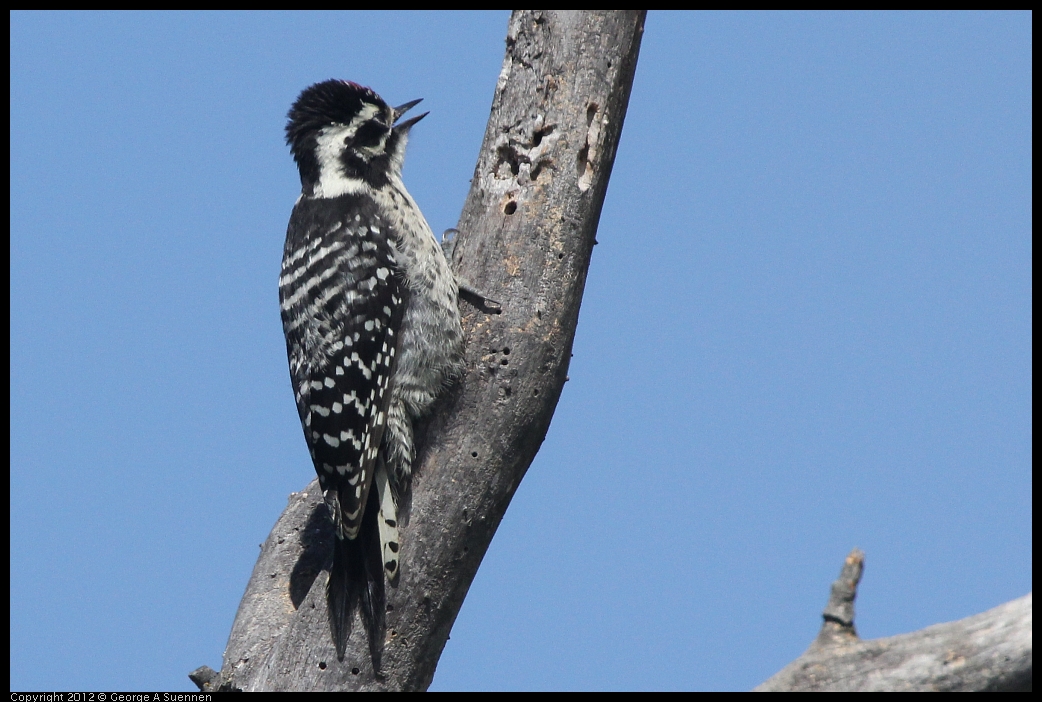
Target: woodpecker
[{"x": 370, "y": 313}]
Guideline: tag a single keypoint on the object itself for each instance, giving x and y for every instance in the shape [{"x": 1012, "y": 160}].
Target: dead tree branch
[
  {"x": 528, "y": 230},
  {"x": 990, "y": 651}
]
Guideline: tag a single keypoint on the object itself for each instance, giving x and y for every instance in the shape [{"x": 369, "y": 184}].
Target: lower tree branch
[{"x": 990, "y": 651}]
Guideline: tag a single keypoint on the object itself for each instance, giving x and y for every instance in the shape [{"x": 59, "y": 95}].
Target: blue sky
[{"x": 807, "y": 327}]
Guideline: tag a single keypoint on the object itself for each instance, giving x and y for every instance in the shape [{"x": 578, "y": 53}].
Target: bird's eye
[{"x": 369, "y": 134}]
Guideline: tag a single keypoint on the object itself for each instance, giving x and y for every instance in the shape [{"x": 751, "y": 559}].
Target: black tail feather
[{"x": 356, "y": 581}]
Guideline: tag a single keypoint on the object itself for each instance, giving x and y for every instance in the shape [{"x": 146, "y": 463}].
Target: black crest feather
[{"x": 329, "y": 102}]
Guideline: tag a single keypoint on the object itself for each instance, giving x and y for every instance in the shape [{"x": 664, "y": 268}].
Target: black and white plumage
[{"x": 369, "y": 309}]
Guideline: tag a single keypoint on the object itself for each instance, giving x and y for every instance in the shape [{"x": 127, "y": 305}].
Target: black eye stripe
[{"x": 369, "y": 134}]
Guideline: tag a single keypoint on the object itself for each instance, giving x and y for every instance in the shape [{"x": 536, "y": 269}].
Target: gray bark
[
  {"x": 528, "y": 229},
  {"x": 990, "y": 651}
]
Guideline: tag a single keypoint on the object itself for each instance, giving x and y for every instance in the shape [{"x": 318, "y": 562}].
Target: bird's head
[{"x": 345, "y": 138}]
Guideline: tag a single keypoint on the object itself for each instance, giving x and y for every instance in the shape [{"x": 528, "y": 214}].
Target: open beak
[{"x": 401, "y": 110}]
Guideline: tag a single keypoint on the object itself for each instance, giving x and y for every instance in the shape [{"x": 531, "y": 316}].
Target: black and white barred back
[{"x": 369, "y": 309}]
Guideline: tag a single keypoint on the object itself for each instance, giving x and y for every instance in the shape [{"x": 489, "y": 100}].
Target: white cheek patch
[
  {"x": 331, "y": 179},
  {"x": 332, "y": 182}
]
